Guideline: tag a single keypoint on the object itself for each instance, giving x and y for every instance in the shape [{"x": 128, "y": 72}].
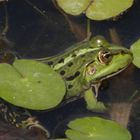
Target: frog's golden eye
[{"x": 104, "y": 57}]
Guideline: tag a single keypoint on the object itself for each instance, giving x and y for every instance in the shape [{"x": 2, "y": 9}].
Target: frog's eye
[{"x": 104, "y": 57}]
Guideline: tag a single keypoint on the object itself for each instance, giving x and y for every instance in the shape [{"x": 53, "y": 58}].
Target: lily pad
[
  {"x": 135, "y": 49},
  {"x": 31, "y": 84},
  {"x": 95, "y": 9},
  {"x": 95, "y": 128},
  {"x": 104, "y": 9},
  {"x": 73, "y": 7}
]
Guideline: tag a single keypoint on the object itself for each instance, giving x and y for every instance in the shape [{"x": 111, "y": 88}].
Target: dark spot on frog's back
[
  {"x": 72, "y": 77},
  {"x": 74, "y": 55},
  {"x": 50, "y": 63},
  {"x": 70, "y": 86},
  {"x": 83, "y": 55},
  {"x": 70, "y": 64},
  {"x": 62, "y": 72},
  {"x": 61, "y": 60}
]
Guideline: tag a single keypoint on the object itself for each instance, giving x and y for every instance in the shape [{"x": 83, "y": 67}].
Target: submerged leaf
[
  {"x": 135, "y": 49},
  {"x": 31, "y": 84},
  {"x": 95, "y": 128}
]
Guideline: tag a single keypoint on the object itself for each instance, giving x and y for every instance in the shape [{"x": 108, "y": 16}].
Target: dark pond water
[{"x": 38, "y": 29}]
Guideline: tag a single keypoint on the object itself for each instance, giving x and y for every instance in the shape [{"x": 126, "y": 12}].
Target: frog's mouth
[
  {"x": 114, "y": 73},
  {"x": 119, "y": 63}
]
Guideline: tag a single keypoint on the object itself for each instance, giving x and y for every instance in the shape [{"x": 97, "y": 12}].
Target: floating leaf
[
  {"x": 104, "y": 9},
  {"x": 95, "y": 128},
  {"x": 135, "y": 49},
  {"x": 73, "y": 7},
  {"x": 95, "y": 9},
  {"x": 31, "y": 84}
]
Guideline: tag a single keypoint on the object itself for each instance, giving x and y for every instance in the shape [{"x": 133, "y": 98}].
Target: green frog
[
  {"x": 82, "y": 67},
  {"x": 88, "y": 63}
]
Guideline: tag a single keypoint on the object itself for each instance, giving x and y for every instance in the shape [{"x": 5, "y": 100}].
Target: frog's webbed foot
[
  {"x": 33, "y": 125},
  {"x": 92, "y": 103}
]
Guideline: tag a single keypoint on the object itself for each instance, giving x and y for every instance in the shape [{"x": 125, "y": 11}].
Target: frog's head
[{"x": 108, "y": 61}]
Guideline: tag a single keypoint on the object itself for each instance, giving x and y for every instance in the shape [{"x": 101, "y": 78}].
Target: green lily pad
[
  {"x": 104, "y": 9},
  {"x": 135, "y": 49},
  {"x": 95, "y": 128},
  {"x": 31, "y": 84},
  {"x": 73, "y": 7},
  {"x": 95, "y": 9}
]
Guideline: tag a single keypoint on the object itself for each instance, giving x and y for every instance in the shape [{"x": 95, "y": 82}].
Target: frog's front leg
[
  {"x": 92, "y": 103},
  {"x": 20, "y": 118}
]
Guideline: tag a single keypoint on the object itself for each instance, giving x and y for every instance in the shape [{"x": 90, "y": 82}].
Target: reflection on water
[
  {"x": 8, "y": 132},
  {"x": 34, "y": 35}
]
